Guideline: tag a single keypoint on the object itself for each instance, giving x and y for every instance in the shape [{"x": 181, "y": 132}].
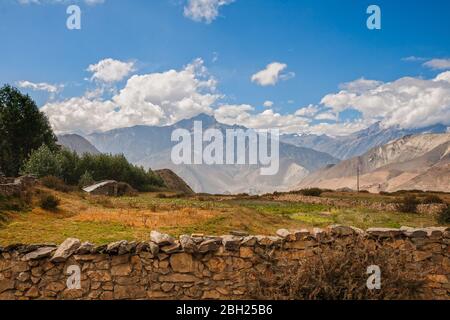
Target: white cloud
[
  {"x": 110, "y": 70},
  {"x": 81, "y": 114},
  {"x": 360, "y": 85},
  {"x": 413, "y": 59},
  {"x": 268, "y": 104},
  {"x": 327, "y": 116},
  {"x": 241, "y": 115},
  {"x": 407, "y": 102},
  {"x": 272, "y": 74},
  {"x": 438, "y": 64},
  {"x": 308, "y": 112},
  {"x": 338, "y": 128},
  {"x": 204, "y": 10},
  {"x": 445, "y": 76},
  {"x": 41, "y": 86},
  {"x": 151, "y": 99}
]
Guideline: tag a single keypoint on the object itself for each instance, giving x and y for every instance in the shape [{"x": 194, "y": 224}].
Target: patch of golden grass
[{"x": 146, "y": 219}]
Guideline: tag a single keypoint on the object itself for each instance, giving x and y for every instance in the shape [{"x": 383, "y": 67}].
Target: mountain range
[
  {"x": 151, "y": 147},
  {"x": 412, "y": 162},
  {"x": 388, "y": 159},
  {"x": 358, "y": 143}
]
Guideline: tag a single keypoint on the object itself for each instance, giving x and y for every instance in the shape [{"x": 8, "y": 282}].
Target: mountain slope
[
  {"x": 77, "y": 143},
  {"x": 413, "y": 162}
]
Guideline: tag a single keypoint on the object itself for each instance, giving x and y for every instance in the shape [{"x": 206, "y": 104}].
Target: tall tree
[{"x": 23, "y": 129}]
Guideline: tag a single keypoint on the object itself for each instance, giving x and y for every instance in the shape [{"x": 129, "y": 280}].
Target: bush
[
  {"x": 55, "y": 183},
  {"x": 408, "y": 204},
  {"x": 42, "y": 163},
  {"x": 444, "y": 216},
  {"x": 432, "y": 199},
  {"x": 49, "y": 202},
  {"x": 336, "y": 273},
  {"x": 312, "y": 192},
  {"x": 86, "y": 180}
]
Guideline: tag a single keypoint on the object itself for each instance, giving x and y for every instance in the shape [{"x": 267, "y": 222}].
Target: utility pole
[{"x": 358, "y": 172}]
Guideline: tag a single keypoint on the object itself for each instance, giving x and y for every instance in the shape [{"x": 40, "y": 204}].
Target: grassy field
[{"x": 100, "y": 219}]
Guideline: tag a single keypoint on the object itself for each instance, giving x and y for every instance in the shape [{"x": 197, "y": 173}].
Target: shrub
[
  {"x": 312, "y": 192},
  {"x": 408, "y": 204},
  {"x": 42, "y": 162},
  {"x": 49, "y": 202},
  {"x": 432, "y": 199},
  {"x": 444, "y": 216},
  {"x": 336, "y": 273},
  {"x": 86, "y": 180},
  {"x": 55, "y": 183}
]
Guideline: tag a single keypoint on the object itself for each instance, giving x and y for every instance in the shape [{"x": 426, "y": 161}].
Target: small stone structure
[
  {"x": 199, "y": 267},
  {"x": 10, "y": 187},
  {"x": 110, "y": 188}
]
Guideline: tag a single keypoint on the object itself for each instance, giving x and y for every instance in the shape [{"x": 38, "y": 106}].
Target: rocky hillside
[
  {"x": 412, "y": 162},
  {"x": 174, "y": 182}
]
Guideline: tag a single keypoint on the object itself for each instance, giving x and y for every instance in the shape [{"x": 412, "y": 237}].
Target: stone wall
[
  {"x": 199, "y": 267},
  {"x": 15, "y": 187}
]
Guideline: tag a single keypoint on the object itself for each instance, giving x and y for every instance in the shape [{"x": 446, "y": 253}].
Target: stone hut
[{"x": 110, "y": 188}]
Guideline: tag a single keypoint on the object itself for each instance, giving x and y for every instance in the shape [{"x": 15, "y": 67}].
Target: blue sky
[{"x": 319, "y": 45}]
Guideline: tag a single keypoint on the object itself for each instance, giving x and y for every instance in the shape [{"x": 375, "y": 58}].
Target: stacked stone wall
[{"x": 199, "y": 267}]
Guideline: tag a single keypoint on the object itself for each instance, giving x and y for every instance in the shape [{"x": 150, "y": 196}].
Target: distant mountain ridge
[
  {"x": 151, "y": 147},
  {"x": 412, "y": 162},
  {"x": 358, "y": 143}
]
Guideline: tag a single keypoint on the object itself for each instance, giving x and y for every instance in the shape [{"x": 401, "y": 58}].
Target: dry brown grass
[
  {"x": 146, "y": 219},
  {"x": 339, "y": 272}
]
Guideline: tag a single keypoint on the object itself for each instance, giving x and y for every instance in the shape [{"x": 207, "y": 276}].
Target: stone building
[{"x": 110, "y": 188}]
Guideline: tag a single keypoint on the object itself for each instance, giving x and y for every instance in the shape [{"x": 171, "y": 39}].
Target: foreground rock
[{"x": 65, "y": 250}]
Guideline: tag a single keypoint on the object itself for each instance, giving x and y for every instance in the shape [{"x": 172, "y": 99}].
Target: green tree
[
  {"x": 23, "y": 129},
  {"x": 70, "y": 169},
  {"x": 86, "y": 180},
  {"x": 42, "y": 163}
]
